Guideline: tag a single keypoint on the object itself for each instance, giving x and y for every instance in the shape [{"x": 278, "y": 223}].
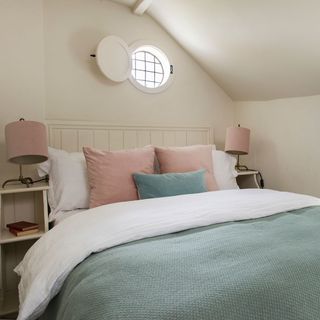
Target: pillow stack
[{"x": 95, "y": 177}]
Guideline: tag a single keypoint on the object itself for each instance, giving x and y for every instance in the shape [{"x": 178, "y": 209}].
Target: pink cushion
[
  {"x": 184, "y": 159},
  {"x": 110, "y": 173}
]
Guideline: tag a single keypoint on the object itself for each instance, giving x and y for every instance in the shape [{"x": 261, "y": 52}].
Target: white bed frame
[{"x": 73, "y": 135}]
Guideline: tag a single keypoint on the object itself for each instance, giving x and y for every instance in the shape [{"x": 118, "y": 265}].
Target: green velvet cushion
[{"x": 169, "y": 184}]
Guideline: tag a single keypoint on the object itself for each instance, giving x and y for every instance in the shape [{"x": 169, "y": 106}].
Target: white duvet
[{"x": 49, "y": 261}]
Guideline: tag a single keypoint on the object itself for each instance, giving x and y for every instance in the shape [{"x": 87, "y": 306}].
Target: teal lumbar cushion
[{"x": 169, "y": 184}]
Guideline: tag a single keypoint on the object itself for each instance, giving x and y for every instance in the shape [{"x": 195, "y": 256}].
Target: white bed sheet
[{"x": 62, "y": 215}]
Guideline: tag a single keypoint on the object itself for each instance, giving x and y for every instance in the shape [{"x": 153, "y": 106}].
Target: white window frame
[{"x": 139, "y": 86}]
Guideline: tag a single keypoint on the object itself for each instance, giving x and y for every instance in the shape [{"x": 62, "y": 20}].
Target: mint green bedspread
[{"x": 268, "y": 268}]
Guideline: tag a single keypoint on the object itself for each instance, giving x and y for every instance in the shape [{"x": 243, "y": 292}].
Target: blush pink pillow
[
  {"x": 110, "y": 173},
  {"x": 184, "y": 159}
]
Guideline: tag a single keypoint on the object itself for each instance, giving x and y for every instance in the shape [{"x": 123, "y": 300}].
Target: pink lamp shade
[
  {"x": 26, "y": 142},
  {"x": 237, "y": 140}
]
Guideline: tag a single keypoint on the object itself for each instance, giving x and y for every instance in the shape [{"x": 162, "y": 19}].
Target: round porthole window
[{"x": 151, "y": 70}]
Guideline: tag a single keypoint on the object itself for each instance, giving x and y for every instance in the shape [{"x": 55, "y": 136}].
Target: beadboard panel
[
  {"x": 16, "y": 207},
  {"x": 72, "y": 136}
]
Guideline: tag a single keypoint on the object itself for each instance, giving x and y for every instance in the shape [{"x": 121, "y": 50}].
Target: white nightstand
[
  {"x": 18, "y": 203},
  {"x": 248, "y": 179}
]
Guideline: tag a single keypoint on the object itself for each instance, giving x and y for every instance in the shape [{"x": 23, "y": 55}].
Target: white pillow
[
  {"x": 69, "y": 189},
  {"x": 224, "y": 170}
]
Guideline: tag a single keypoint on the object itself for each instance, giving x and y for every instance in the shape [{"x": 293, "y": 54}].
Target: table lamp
[
  {"x": 237, "y": 143},
  {"x": 26, "y": 143}
]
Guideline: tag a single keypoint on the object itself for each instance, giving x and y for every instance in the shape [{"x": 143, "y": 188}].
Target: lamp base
[
  {"x": 25, "y": 180},
  {"x": 240, "y": 167}
]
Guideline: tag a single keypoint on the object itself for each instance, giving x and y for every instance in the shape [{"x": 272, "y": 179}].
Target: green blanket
[{"x": 268, "y": 268}]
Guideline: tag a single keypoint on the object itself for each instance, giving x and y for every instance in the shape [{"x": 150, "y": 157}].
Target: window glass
[{"x": 150, "y": 67}]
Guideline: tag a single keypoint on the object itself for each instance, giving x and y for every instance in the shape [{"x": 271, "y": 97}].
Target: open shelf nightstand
[
  {"x": 248, "y": 179},
  {"x": 18, "y": 203}
]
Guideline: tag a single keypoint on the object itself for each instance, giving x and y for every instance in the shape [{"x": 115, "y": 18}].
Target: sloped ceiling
[{"x": 254, "y": 49}]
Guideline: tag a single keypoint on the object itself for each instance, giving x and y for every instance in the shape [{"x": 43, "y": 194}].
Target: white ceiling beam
[{"x": 141, "y": 6}]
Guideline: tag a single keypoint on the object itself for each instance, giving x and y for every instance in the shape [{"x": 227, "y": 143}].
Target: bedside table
[
  {"x": 248, "y": 179},
  {"x": 18, "y": 203}
]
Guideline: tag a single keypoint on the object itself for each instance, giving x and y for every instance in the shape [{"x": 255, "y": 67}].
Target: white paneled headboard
[{"x": 73, "y": 135}]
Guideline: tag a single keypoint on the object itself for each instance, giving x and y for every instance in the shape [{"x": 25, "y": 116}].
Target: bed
[{"x": 227, "y": 254}]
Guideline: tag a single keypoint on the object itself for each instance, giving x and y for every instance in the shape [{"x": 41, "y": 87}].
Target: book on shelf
[
  {"x": 23, "y": 226},
  {"x": 23, "y": 233}
]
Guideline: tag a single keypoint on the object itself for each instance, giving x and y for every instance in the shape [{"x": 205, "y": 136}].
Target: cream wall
[
  {"x": 285, "y": 142},
  {"x": 75, "y": 88},
  {"x": 46, "y": 71},
  {"x": 21, "y": 68}
]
